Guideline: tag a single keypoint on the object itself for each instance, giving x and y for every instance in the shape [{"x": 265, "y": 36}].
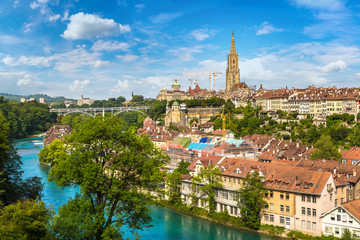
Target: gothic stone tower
[{"x": 232, "y": 71}]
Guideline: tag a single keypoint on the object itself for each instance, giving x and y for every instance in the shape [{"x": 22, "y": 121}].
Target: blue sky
[{"x": 105, "y": 49}]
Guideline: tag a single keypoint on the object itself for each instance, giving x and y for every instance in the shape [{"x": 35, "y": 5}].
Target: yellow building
[{"x": 232, "y": 71}]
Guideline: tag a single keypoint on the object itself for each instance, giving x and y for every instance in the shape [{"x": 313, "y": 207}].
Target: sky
[{"x": 103, "y": 49}]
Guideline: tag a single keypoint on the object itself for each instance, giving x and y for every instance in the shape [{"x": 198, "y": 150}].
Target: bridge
[{"x": 94, "y": 111}]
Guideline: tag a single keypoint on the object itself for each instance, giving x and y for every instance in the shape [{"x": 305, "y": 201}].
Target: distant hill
[{"x": 48, "y": 99}]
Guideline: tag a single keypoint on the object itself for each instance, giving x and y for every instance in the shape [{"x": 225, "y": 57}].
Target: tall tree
[
  {"x": 325, "y": 149},
  {"x": 208, "y": 181},
  {"x": 12, "y": 186},
  {"x": 250, "y": 200},
  {"x": 173, "y": 185},
  {"x": 25, "y": 219},
  {"x": 114, "y": 168}
]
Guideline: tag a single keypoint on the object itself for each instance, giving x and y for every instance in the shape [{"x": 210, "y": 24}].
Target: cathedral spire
[{"x": 232, "y": 49}]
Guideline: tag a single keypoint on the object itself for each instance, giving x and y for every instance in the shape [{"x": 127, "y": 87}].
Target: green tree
[
  {"x": 114, "y": 168},
  {"x": 346, "y": 235},
  {"x": 182, "y": 168},
  {"x": 55, "y": 151},
  {"x": 173, "y": 184},
  {"x": 12, "y": 186},
  {"x": 325, "y": 149},
  {"x": 251, "y": 200},
  {"x": 208, "y": 181},
  {"x": 24, "y": 220}
]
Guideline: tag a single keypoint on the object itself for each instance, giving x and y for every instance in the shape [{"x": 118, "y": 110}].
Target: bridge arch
[
  {"x": 79, "y": 112},
  {"x": 132, "y": 110}
]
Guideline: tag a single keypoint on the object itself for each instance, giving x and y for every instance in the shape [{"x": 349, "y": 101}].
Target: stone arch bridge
[{"x": 94, "y": 111}]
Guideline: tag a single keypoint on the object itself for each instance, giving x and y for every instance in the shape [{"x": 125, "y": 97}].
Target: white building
[{"x": 344, "y": 216}]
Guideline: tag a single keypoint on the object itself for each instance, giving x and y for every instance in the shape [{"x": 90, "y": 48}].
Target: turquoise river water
[{"x": 167, "y": 224}]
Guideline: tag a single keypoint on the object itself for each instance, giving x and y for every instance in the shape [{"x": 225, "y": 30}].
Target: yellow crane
[
  {"x": 211, "y": 75},
  {"x": 223, "y": 118}
]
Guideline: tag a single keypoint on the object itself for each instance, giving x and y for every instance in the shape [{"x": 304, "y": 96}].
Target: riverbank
[{"x": 235, "y": 222}]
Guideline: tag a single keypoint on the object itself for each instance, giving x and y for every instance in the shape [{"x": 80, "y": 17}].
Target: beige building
[{"x": 83, "y": 100}]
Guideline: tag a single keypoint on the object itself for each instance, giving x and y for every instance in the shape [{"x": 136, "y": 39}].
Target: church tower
[{"x": 232, "y": 71}]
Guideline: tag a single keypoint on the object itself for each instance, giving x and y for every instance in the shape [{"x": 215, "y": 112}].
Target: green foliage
[
  {"x": 54, "y": 152},
  {"x": 24, "y": 220},
  {"x": 12, "y": 186},
  {"x": 113, "y": 166},
  {"x": 137, "y": 98},
  {"x": 157, "y": 109},
  {"x": 173, "y": 185},
  {"x": 26, "y": 118},
  {"x": 273, "y": 230},
  {"x": 251, "y": 200},
  {"x": 210, "y": 102},
  {"x": 346, "y": 235},
  {"x": 75, "y": 120},
  {"x": 302, "y": 236},
  {"x": 207, "y": 181},
  {"x": 182, "y": 168},
  {"x": 325, "y": 149}
]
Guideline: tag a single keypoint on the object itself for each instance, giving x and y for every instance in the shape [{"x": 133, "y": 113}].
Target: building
[
  {"x": 87, "y": 101},
  {"x": 56, "y": 132},
  {"x": 344, "y": 216},
  {"x": 232, "y": 71},
  {"x": 180, "y": 115},
  {"x": 41, "y": 100}
]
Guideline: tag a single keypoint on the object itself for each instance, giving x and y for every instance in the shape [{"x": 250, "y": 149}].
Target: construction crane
[
  {"x": 209, "y": 74},
  {"x": 193, "y": 81},
  {"x": 223, "y": 118}
]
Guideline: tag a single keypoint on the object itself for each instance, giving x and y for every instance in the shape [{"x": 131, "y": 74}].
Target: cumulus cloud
[
  {"x": 78, "y": 86},
  {"x": 53, "y": 18},
  {"x": 127, "y": 57},
  {"x": 267, "y": 28},
  {"x": 64, "y": 62},
  {"x": 185, "y": 54},
  {"x": 203, "y": 33},
  {"x": 88, "y": 26},
  {"x": 165, "y": 17},
  {"x": 328, "y": 5},
  {"x": 102, "y": 45},
  {"x": 332, "y": 67}
]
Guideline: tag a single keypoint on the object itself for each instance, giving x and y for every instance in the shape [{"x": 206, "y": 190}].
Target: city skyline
[{"x": 74, "y": 48}]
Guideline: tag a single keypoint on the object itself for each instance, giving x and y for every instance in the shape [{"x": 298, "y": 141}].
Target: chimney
[
  {"x": 296, "y": 179},
  {"x": 297, "y": 144},
  {"x": 354, "y": 172}
]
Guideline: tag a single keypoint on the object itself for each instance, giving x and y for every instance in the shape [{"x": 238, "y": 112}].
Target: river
[{"x": 167, "y": 224}]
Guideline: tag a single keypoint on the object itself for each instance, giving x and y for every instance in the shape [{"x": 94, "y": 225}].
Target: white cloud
[
  {"x": 122, "y": 86},
  {"x": 78, "y": 86},
  {"x": 102, "y": 45},
  {"x": 332, "y": 67},
  {"x": 53, "y": 18},
  {"x": 65, "y": 62},
  {"x": 66, "y": 16},
  {"x": 88, "y": 26},
  {"x": 22, "y": 79},
  {"x": 185, "y": 54},
  {"x": 357, "y": 75},
  {"x": 203, "y": 33},
  {"x": 165, "y": 17},
  {"x": 127, "y": 57},
  {"x": 27, "y": 27},
  {"x": 328, "y": 5},
  {"x": 213, "y": 66},
  {"x": 267, "y": 28},
  {"x": 139, "y": 7}
]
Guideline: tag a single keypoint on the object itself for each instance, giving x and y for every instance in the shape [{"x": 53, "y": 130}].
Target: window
[
  {"x": 309, "y": 211},
  {"x": 332, "y": 217},
  {"x": 266, "y": 206},
  {"x": 338, "y": 218},
  {"x": 281, "y": 196},
  {"x": 314, "y": 199},
  {"x": 266, "y": 194},
  {"x": 350, "y": 196},
  {"x": 271, "y": 218},
  {"x": 337, "y": 230},
  {"x": 331, "y": 196},
  {"x": 314, "y": 212},
  {"x": 308, "y": 225},
  {"x": 303, "y": 211},
  {"x": 309, "y": 198},
  {"x": 266, "y": 217},
  {"x": 231, "y": 210},
  {"x": 336, "y": 202},
  {"x": 287, "y": 209},
  {"x": 236, "y": 211},
  {"x": 234, "y": 180},
  {"x": 287, "y": 196},
  {"x": 303, "y": 198},
  {"x": 328, "y": 229},
  {"x": 302, "y": 224},
  {"x": 271, "y": 194},
  {"x": 282, "y": 208},
  {"x": 282, "y": 220},
  {"x": 271, "y": 206},
  {"x": 239, "y": 181},
  {"x": 344, "y": 218},
  {"x": 314, "y": 226},
  {"x": 224, "y": 179},
  {"x": 229, "y": 180}
]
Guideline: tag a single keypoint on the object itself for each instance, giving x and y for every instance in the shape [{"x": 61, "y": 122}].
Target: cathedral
[{"x": 233, "y": 84}]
